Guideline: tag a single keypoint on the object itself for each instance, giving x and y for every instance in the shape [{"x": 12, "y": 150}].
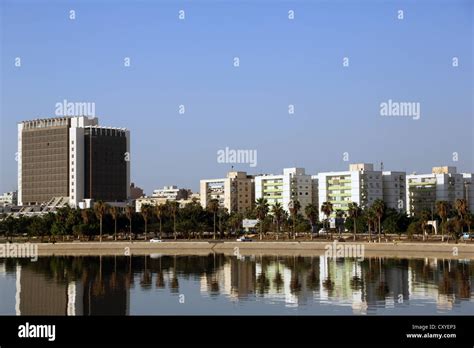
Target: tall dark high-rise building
[{"x": 72, "y": 158}]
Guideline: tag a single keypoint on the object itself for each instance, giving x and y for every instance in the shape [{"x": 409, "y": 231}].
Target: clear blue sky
[{"x": 283, "y": 62}]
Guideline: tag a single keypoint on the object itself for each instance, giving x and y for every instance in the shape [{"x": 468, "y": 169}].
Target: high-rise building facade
[
  {"x": 72, "y": 157},
  {"x": 361, "y": 184},
  {"x": 423, "y": 190},
  {"x": 293, "y": 184},
  {"x": 235, "y": 192}
]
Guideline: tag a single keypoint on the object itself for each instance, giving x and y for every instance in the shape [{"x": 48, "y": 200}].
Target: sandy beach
[{"x": 290, "y": 248}]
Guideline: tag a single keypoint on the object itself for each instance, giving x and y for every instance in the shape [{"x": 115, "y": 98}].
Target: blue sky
[{"x": 282, "y": 62}]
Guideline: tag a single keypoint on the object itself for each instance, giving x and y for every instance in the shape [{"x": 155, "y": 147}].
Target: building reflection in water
[{"x": 101, "y": 285}]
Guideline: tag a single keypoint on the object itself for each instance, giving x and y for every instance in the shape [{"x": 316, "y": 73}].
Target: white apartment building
[
  {"x": 235, "y": 192},
  {"x": 443, "y": 184},
  {"x": 172, "y": 193},
  {"x": 294, "y": 183},
  {"x": 9, "y": 198},
  {"x": 361, "y": 184},
  {"x": 394, "y": 190}
]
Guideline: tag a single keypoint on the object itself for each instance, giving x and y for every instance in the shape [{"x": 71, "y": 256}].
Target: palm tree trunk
[
  {"x": 130, "y": 230},
  {"x": 146, "y": 225},
  {"x": 174, "y": 227},
  {"x": 278, "y": 230},
  {"x": 115, "y": 229},
  {"x": 214, "y": 233},
  {"x": 379, "y": 230},
  {"x": 100, "y": 237},
  {"x": 160, "y": 229},
  {"x": 442, "y": 230},
  {"x": 294, "y": 227}
]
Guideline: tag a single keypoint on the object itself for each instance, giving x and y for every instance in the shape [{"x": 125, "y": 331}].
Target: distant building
[
  {"x": 293, "y": 184},
  {"x": 468, "y": 183},
  {"x": 9, "y": 199},
  {"x": 135, "y": 191},
  {"x": 235, "y": 192},
  {"x": 394, "y": 190},
  {"x": 172, "y": 193},
  {"x": 73, "y": 158},
  {"x": 443, "y": 184},
  {"x": 363, "y": 185}
]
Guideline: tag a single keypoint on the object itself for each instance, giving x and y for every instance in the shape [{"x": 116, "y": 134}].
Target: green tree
[
  {"x": 173, "y": 209},
  {"x": 294, "y": 206},
  {"x": 312, "y": 214},
  {"x": 261, "y": 209},
  {"x": 114, "y": 212},
  {"x": 160, "y": 211},
  {"x": 371, "y": 220},
  {"x": 213, "y": 207},
  {"x": 327, "y": 209},
  {"x": 146, "y": 212},
  {"x": 100, "y": 209},
  {"x": 354, "y": 212},
  {"x": 379, "y": 208},
  {"x": 278, "y": 215},
  {"x": 129, "y": 212},
  {"x": 442, "y": 208}
]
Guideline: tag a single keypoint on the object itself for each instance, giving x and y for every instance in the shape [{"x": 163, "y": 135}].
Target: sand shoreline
[{"x": 303, "y": 248}]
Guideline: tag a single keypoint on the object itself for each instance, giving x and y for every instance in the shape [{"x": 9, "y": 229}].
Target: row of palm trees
[
  {"x": 373, "y": 215},
  {"x": 101, "y": 209},
  {"x": 192, "y": 219}
]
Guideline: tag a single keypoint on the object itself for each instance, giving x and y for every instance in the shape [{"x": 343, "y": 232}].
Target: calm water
[{"x": 219, "y": 284}]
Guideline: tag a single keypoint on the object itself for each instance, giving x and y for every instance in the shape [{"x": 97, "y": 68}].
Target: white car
[
  {"x": 155, "y": 240},
  {"x": 244, "y": 239},
  {"x": 322, "y": 231}
]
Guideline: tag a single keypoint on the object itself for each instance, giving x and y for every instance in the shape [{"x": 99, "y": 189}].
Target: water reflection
[{"x": 220, "y": 284}]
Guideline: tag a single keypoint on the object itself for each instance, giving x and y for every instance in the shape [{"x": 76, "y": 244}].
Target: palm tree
[
  {"x": 114, "y": 212},
  {"x": 468, "y": 218},
  {"x": 146, "y": 212},
  {"x": 442, "y": 208},
  {"x": 294, "y": 206},
  {"x": 371, "y": 219},
  {"x": 278, "y": 214},
  {"x": 261, "y": 209},
  {"x": 379, "y": 208},
  {"x": 424, "y": 217},
  {"x": 461, "y": 207},
  {"x": 354, "y": 212},
  {"x": 235, "y": 221},
  {"x": 173, "y": 207},
  {"x": 312, "y": 213},
  {"x": 327, "y": 209},
  {"x": 213, "y": 207},
  {"x": 160, "y": 211},
  {"x": 100, "y": 209},
  {"x": 129, "y": 211}
]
